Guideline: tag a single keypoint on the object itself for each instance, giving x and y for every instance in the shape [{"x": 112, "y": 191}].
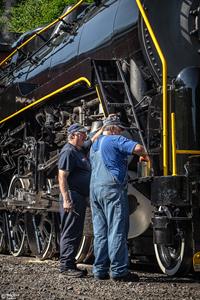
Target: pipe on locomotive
[
  {"x": 164, "y": 87},
  {"x": 41, "y": 31}
]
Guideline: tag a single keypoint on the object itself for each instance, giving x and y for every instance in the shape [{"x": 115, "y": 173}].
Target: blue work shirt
[
  {"x": 77, "y": 164},
  {"x": 115, "y": 150}
]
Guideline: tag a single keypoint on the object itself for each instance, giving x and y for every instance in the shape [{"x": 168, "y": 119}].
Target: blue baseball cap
[
  {"x": 76, "y": 128},
  {"x": 113, "y": 120}
]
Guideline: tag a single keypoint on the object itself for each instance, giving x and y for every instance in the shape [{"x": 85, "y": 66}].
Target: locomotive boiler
[{"x": 136, "y": 58}]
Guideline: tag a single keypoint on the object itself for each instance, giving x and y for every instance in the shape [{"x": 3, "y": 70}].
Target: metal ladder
[{"x": 122, "y": 81}]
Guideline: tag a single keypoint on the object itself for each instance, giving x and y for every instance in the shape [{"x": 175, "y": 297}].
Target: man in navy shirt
[
  {"x": 109, "y": 202},
  {"x": 74, "y": 178}
]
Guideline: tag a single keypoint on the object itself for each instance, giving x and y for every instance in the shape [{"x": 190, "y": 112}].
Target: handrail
[
  {"x": 193, "y": 152},
  {"x": 79, "y": 80},
  {"x": 176, "y": 151},
  {"x": 173, "y": 129},
  {"x": 41, "y": 31},
  {"x": 99, "y": 97},
  {"x": 164, "y": 86}
]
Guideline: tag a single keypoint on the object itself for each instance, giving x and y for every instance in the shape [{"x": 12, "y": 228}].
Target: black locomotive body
[{"x": 139, "y": 59}]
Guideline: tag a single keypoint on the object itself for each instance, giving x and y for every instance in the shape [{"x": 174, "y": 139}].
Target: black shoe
[
  {"x": 102, "y": 277},
  {"x": 129, "y": 277},
  {"x": 84, "y": 271},
  {"x": 73, "y": 273}
]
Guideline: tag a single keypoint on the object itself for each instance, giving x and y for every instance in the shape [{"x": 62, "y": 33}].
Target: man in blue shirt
[
  {"x": 109, "y": 202},
  {"x": 74, "y": 178}
]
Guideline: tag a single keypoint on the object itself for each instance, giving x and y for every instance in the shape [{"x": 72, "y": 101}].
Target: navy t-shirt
[
  {"x": 115, "y": 150},
  {"x": 77, "y": 164}
]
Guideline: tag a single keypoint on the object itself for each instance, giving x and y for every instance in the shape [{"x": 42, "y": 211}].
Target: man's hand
[
  {"x": 68, "y": 206},
  {"x": 139, "y": 150},
  {"x": 144, "y": 157}
]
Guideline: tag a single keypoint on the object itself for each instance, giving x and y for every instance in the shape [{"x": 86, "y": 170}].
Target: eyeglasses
[{"x": 81, "y": 133}]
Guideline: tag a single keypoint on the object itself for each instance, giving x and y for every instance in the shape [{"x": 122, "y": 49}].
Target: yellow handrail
[
  {"x": 41, "y": 31},
  {"x": 99, "y": 97},
  {"x": 173, "y": 129},
  {"x": 174, "y": 149},
  {"x": 164, "y": 83},
  {"x": 193, "y": 152},
  {"x": 79, "y": 80}
]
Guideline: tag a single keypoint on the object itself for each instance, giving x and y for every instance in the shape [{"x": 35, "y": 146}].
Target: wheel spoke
[{"x": 45, "y": 233}]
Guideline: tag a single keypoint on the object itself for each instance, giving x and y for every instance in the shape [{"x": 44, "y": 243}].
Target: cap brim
[
  {"x": 122, "y": 127},
  {"x": 82, "y": 130},
  {"x": 115, "y": 124}
]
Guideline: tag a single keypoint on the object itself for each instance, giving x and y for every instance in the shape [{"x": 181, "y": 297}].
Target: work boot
[{"x": 74, "y": 273}]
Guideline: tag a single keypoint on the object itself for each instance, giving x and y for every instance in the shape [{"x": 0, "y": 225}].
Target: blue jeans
[{"x": 109, "y": 206}]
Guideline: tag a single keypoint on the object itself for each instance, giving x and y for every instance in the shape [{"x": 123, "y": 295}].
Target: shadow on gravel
[
  {"x": 157, "y": 275},
  {"x": 164, "y": 279},
  {"x": 150, "y": 268}
]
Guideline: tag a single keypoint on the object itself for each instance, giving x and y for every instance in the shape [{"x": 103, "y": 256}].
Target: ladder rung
[
  {"x": 112, "y": 81},
  {"x": 119, "y": 104}
]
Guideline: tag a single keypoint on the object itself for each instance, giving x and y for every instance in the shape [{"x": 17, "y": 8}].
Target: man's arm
[
  {"x": 140, "y": 151},
  {"x": 62, "y": 179},
  {"x": 87, "y": 144},
  {"x": 96, "y": 135}
]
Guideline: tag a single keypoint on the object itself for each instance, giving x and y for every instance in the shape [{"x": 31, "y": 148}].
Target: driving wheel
[
  {"x": 175, "y": 259},
  {"x": 16, "y": 224},
  {"x": 40, "y": 229}
]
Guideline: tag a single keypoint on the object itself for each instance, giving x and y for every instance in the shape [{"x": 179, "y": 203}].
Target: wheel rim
[
  {"x": 41, "y": 237},
  {"x": 17, "y": 234},
  {"x": 3, "y": 236},
  {"x": 84, "y": 251},
  {"x": 16, "y": 221},
  {"x": 44, "y": 233},
  {"x": 170, "y": 258},
  {"x": 175, "y": 259},
  {"x": 3, "y": 247}
]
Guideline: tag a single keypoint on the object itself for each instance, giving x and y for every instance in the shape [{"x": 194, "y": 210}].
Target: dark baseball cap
[
  {"x": 76, "y": 128},
  {"x": 113, "y": 120}
]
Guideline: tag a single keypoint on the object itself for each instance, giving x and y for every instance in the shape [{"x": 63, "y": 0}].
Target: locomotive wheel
[
  {"x": 84, "y": 249},
  {"x": 17, "y": 235},
  {"x": 41, "y": 234},
  {"x": 176, "y": 259},
  {"x": 84, "y": 253},
  {"x": 3, "y": 235}
]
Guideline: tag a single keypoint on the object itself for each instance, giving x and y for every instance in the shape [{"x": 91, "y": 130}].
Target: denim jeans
[{"x": 109, "y": 206}]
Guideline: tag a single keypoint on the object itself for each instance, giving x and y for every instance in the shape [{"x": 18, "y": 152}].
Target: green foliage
[
  {"x": 1, "y": 12},
  {"x": 29, "y": 14}
]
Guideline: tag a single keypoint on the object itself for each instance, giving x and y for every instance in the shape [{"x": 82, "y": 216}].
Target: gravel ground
[{"x": 27, "y": 278}]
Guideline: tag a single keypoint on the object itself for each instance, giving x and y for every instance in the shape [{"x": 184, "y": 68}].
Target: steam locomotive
[{"x": 136, "y": 58}]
